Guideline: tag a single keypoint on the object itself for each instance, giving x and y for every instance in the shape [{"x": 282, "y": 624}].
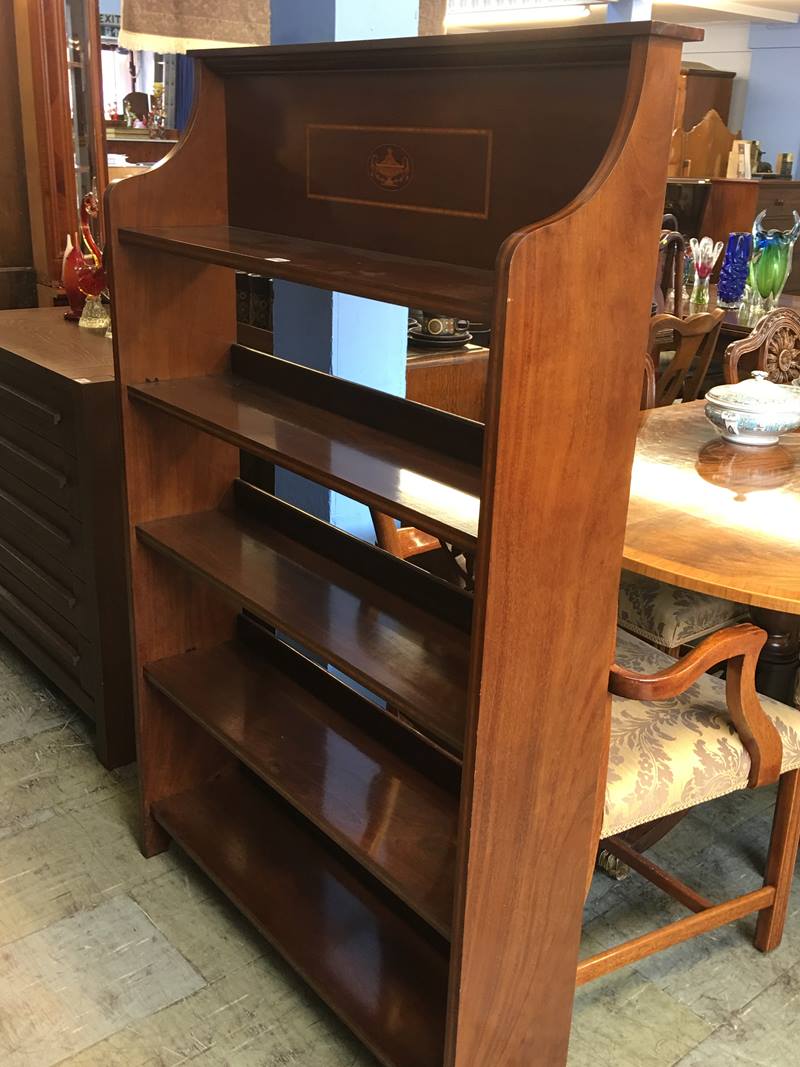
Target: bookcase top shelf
[
  {"x": 446, "y": 287},
  {"x": 473, "y": 49}
]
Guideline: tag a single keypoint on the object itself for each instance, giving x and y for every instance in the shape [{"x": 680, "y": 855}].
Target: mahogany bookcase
[{"x": 394, "y": 857}]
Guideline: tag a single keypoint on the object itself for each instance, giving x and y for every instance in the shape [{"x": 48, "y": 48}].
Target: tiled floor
[{"x": 110, "y": 960}]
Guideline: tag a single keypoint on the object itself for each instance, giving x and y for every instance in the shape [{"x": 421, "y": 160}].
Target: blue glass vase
[{"x": 735, "y": 265}]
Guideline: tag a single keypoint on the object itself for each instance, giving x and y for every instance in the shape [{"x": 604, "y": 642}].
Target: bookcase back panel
[{"x": 434, "y": 164}]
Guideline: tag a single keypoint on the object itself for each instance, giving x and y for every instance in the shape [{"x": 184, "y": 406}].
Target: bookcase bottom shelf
[
  {"x": 377, "y": 968},
  {"x": 357, "y": 774}
]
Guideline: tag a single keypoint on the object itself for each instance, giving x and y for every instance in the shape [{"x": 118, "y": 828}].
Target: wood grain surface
[
  {"x": 384, "y": 977},
  {"x": 712, "y": 516},
  {"x": 352, "y": 770},
  {"x": 394, "y": 279}
]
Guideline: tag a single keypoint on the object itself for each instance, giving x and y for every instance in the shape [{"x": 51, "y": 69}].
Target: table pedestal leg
[{"x": 779, "y": 661}]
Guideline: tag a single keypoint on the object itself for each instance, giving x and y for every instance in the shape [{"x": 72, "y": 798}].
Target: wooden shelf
[
  {"x": 373, "y": 966},
  {"x": 465, "y": 291},
  {"x": 410, "y": 479},
  {"x": 414, "y": 658},
  {"x": 354, "y": 771}
]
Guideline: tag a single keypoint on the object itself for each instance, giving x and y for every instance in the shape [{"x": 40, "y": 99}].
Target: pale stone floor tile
[
  {"x": 51, "y": 769},
  {"x": 199, "y": 921},
  {"x": 625, "y": 1020},
  {"x": 28, "y": 705},
  {"x": 71, "y": 861},
  {"x": 72, "y": 984},
  {"x": 764, "y": 1033},
  {"x": 259, "y": 1015}
]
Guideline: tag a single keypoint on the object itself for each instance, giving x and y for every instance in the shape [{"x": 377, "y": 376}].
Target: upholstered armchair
[{"x": 680, "y": 737}]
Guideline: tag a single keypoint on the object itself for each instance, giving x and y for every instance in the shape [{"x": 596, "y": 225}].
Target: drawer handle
[
  {"x": 55, "y": 640},
  {"x": 24, "y": 561},
  {"x": 31, "y": 401},
  {"x": 51, "y": 472},
  {"x": 31, "y": 514},
  {"x": 779, "y": 202}
]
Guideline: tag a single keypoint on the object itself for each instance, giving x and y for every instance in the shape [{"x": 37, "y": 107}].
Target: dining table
[{"x": 722, "y": 519}]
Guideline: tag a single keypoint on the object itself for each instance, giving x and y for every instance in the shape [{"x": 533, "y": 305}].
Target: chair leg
[{"x": 780, "y": 861}]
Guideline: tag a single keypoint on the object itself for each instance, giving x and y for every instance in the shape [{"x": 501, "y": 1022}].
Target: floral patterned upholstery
[
  {"x": 668, "y": 616},
  {"x": 667, "y": 755}
]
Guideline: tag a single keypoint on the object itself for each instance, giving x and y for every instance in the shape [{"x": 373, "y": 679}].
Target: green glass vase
[{"x": 771, "y": 262}]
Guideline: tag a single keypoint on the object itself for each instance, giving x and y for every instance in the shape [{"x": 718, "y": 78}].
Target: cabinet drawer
[
  {"x": 38, "y": 463},
  {"x": 779, "y": 203},
  {"x": 42, "y": 523},
  {"x": 51, "y": 582},
  {"x": 32, "y": 399},
  {"x": 48, "y": 631}
]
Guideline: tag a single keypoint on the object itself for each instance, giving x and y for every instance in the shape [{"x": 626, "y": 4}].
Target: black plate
[{"x": 420, "y": 337}]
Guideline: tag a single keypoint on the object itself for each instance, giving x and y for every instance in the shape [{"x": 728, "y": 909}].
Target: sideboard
[
  {"x": 63, "y": 598},
  {"x": 719, "y": 206}
]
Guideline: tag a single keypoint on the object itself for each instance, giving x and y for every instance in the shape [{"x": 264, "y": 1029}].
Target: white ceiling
[
  {"x": 666, "y": 12},
  {"x": 776, "y": 12}
]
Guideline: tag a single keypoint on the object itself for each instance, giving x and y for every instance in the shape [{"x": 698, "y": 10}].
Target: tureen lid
[{"x": 756, "y": 393}]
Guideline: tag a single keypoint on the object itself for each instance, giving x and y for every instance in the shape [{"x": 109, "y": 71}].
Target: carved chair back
[
  {"x": 692, "y": 342},
  {"x": 773, "y": 346},
  {"x": 669, "y": 275},
  {"x": 648, "y": 384}
]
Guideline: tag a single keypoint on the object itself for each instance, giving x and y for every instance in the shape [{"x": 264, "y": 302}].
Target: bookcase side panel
[
  {"x": 172, "y": 318},
  {"x": 562, "y": 418}
]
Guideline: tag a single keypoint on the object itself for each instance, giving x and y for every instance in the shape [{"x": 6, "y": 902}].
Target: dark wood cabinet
[
  {"x": 452, "y": 380},
  {"x": 702, "y": 89},
  {"x": 779, "y": 199},
  {"x": 62, "y": 575}
]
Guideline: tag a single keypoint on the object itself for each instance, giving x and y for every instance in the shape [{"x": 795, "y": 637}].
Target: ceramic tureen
[{"x": 755, "y": 411}]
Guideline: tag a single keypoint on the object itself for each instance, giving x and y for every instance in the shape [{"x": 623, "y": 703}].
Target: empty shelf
[
  {"x": 351, "y": 769},
  {"x": 456, "y": 290},
  {"x": 413, "y": 658},
  {"x": 382, "y": 975},
  {"x": 409, "y": 480}
]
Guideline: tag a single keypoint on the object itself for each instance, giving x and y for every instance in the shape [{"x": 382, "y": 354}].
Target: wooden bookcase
[{"x": 424, "y": 868}]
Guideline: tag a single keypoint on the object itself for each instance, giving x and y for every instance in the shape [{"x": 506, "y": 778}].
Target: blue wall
[
  {"x": 362, "y": 340},
  {"x": 772, "y": 111}
]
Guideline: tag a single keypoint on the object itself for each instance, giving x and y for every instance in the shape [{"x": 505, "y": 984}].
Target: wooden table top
[
  {"x": 42, "y": 336},
  {"x": 718, "y": 518}
]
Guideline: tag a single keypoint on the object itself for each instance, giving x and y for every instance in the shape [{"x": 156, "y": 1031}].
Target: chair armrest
[{"x": 740, "y": 647}]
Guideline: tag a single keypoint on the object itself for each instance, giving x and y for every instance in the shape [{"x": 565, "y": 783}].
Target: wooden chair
[
  {"x": 407, "y": 542},
  {"x": 773, "y": 346},
  {"x": 703, "y": 151},
  {"x": 679, "y": 737},
  {"x": 671, "y": 249},
  {"x": 692, "y": 342}
]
